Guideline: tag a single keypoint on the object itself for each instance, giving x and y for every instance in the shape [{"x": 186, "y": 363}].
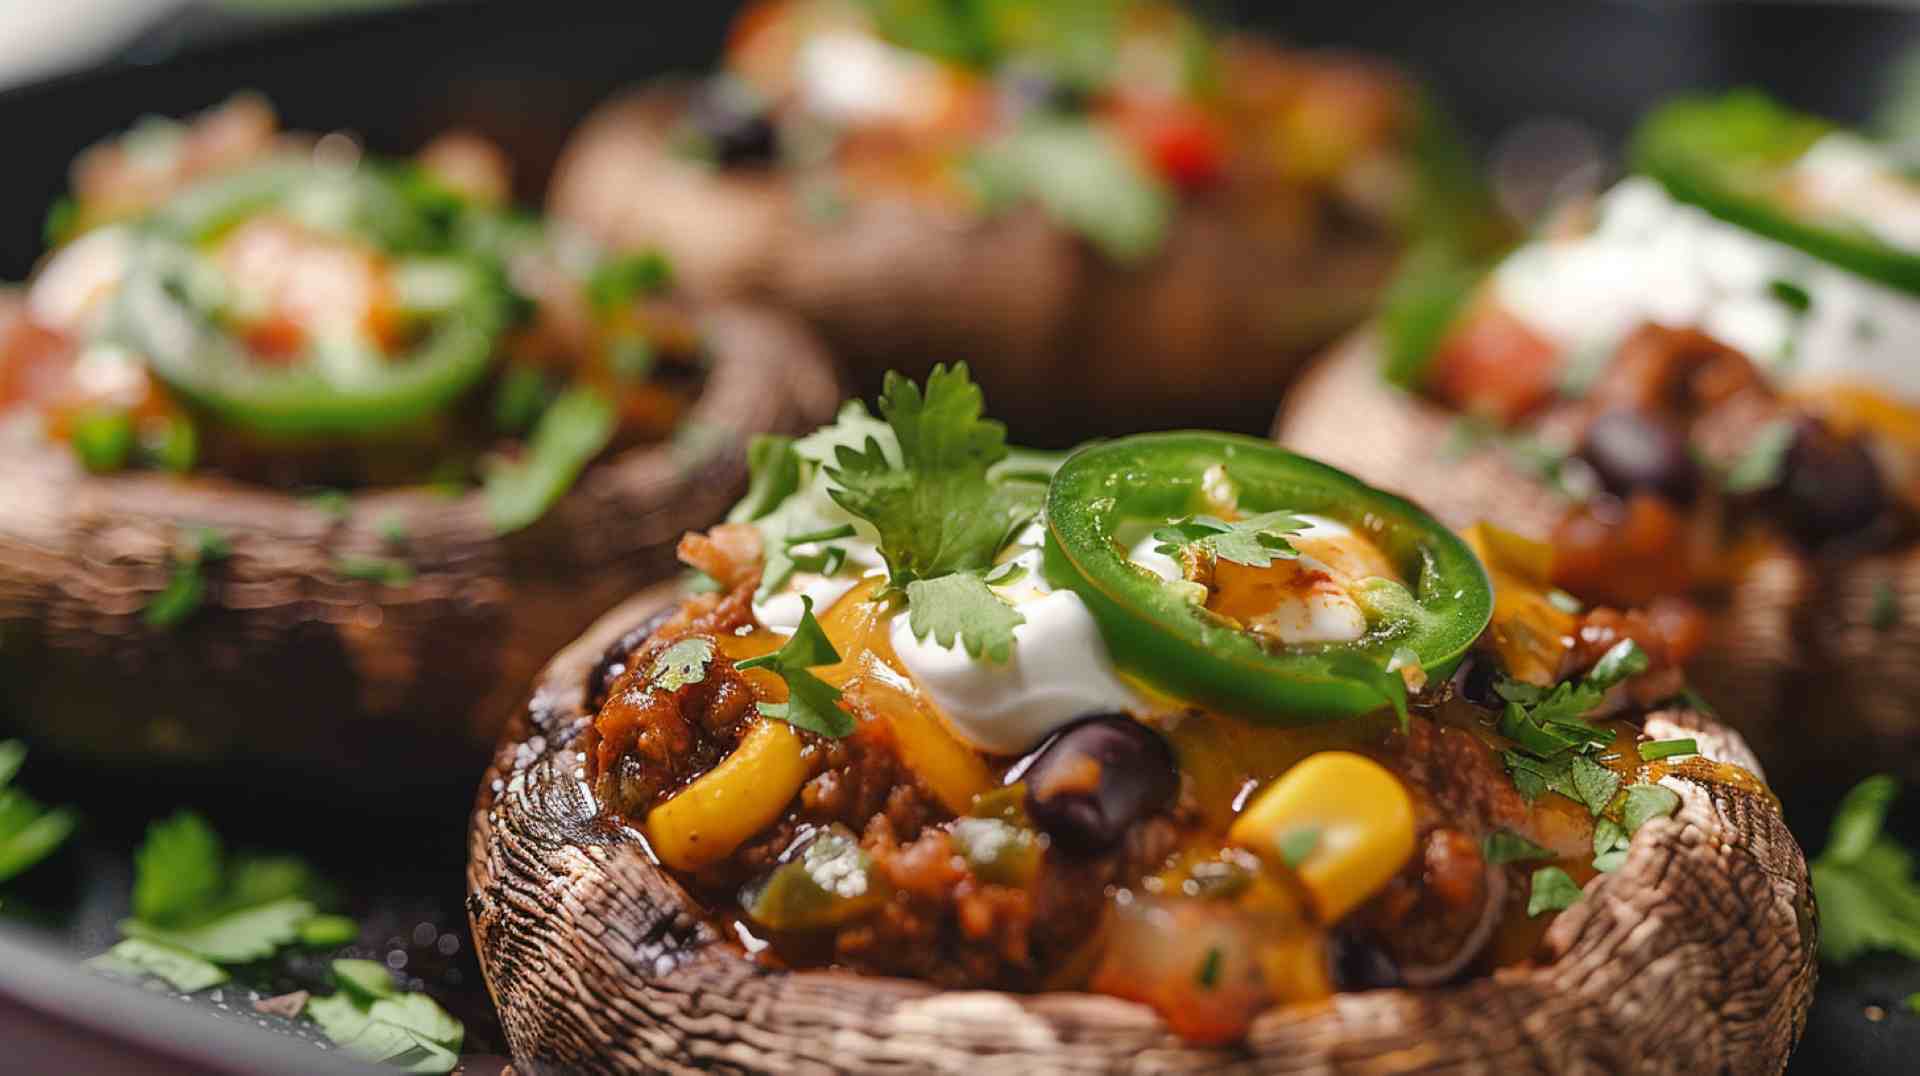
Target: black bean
[
  {"x": 1357, "y": 962},
  {"x": 1633, "y": 452},
  {"x": 1830, "y": 484},
  {"x": 734, "y": 126},
  {"x": 1474, "y": 679},
  {"x": 1091, "y": 781}
]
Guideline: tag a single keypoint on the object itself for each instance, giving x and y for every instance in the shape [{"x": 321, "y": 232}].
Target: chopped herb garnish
[
  {"x": 328, "y": 931},
  {"x": 1297, "y": 844},
  {"x": 1254, "y": 542},
  {"x": 683, "y": 663},
  {"x": 1623, "y": 661},
  {"x": 1209, "y": 974},
  {"x": 169, "y": 444},
  {"x": 135, "y": 957},
  {"x": 1647, "y": 802},
  {"x": 393, "y": 529},
  {"x": 1885, "y": 611},
  {"x": 1552, "y": 890},
  {"x": 568, "y": 436},
  {"x": 333, "y": 502},
  {"x": 617, "y": 282},
  {"x": 1553, "y": 737},
  {"x": 774, "y": 466},
  {"x": 1506, "y": 846},
  {"x": 962, "y": 607},
  {"x": 523, "y": 394},
  {"x": 370, "y": 1019},
  {"x": 1864, "y": 880},
  {"x": 631, "y": 357},
  {"x": 1593, "y": 784},
  {"x": 387, "y": 571},
  {"x": 103, "y": 440},
  {"x": 1659, "y": 749},
  {"x": 1758, "y": 468},
  {"x": 1082, "y": 177},
  {"x": 1610, "y": 841},
  {"x": 812, "y": 703},
  {"x": 1007, "y": 574},
  {"x": 29, "y": 832},
  {"x": 1793, "y": 296},
  {"x": 186, "y": 587}
]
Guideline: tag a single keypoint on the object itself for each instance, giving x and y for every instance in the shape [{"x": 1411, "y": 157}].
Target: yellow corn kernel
[
  {"x": 1344, "y": 821},
  {"x": 704, "y": 822}
]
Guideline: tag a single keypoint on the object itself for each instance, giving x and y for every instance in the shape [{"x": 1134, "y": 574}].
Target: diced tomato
[
  {"x": 1181, "y": 142},
  {"x": 34, "y": 363},
  {"x": 1494, "y": 365},
  {"x": 1622, "y": 555},
  {"x": 276, "y": 339},
  {"x": 1191, "y": 960}
]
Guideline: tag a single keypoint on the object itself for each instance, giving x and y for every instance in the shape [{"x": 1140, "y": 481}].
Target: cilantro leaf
[
  {"x": 1083, "y": 178},
  {"x": 567, "y": 437},
  {"x": 1864, "y": 880},
  {"x": 961, "y": 606},
  {"x": 177, "y": 871},
  {"x": 812, "y": 703},
  {"x": 235, "y": 938},
  {"x": 1648, "y": 802},
  {"x": 1623, "y": 661},
  {"x": 1610, "y": 840},
  {"x": 774, "y": 466},
  {"x": 1593, "y": 784},
  {"x": 1296, "y": 845},
  {"x": 1254, "y": 542},
  {"x": 1506, "y": 846},
  {"x": 683, "y": 663},
  {"x": 936, "y": 512},
  {"x": 1759, "y": 467},
  {"x": 135, "y": 957},
  {"x": 1552, "y": 890},
  {"x": 29, "y": 832}
]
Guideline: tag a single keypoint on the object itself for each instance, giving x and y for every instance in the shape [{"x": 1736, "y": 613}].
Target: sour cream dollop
[{"x": 1650, "y": 258}]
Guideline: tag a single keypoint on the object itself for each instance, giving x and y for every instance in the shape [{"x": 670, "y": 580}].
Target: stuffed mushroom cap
[{"x": 1697, "y": 953}]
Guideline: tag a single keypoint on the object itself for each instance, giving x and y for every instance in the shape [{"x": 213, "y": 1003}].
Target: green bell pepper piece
[{"x": 1158, "y": 635}]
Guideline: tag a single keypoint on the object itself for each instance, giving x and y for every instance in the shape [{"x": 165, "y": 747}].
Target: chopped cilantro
[
  {"x": 103, "y": 440},
  {"x": 186, "y": 586},
  {"x": 774, "y": 466},
  {"x": 1623, "y": 661},
  {"x": 333, "y": 502},
  {"x": 683, "y": 663},
  {"x": 568, "y": 436},
  {"x": 237, "y": 937},
  {"x": 1254, "y": 542},
  {"x": 369, "y": 1019},
  {"x": 631, "y": 357},
  {"x": 387, "y": 571},
  {"x": 393, "y": 529},
  {"x": 1209, "y": 974},
  {"x": 1564, "y": 601},
  {"x": 368, "y": 980},
  {"x": 1085, "y": 179},
  {"x": 178, "y": 868},
  {"x": 1885, "y": 611},
  {"x": 1552, "y": 890},
  {"x": 1297, "y": 844},
  {"x": 962, "y": 607},
  {"x": 812, "y": 703},
  {"x": 169, "y": 444},
  {"x": 1793, "y": 296},
  {"x": 1647, "y": 802},
  {"x": 1554, "y": 739},
  {"x": 29, "y": 832},
  {"x": 936, "y": 511},
  {"x": 135, "y": 957},
  {"x": 327, "y": 931},
  {"x": 523, "y": 395},
  {"x": 617, "y": 282},
  {"x": 1659, "y": 749},
  {"x": 1610, "y": 841},
  {"x": 1593, "y": 784},
  {"x": 1864, "y": 880},
  {"x": 1758, "y": 467},
  {"x": 1007, "y": 574},
  {"x": 1506, "y": 846}
]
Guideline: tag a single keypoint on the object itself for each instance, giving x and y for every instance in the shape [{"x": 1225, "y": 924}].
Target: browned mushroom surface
[
  {"x": 291, "y": 654},
  {"x": 1804, "y": 647},
  {"x": 830, "y": 171},
  {"x": 1694, "y": 954}
]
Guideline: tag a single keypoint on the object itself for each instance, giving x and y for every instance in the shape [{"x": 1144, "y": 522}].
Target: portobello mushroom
[
  {"x": 208, "y": 608},
  {"x": 612, "y": 939},
  {"x": 1155, "y": 301},
  {"x": 1760, "y": 469}
]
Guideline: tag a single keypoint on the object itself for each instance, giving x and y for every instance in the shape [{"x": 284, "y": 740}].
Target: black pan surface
[{"x": 524, "y": 74}]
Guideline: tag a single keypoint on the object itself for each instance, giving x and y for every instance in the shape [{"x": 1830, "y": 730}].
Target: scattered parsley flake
[
  {"x": 1552, "y": 890},
  {"x": 567, "y": 437},
  {"x": 962, "y": 607},
  {"x": 328, "y": 931},
  {"x": 135, "y": 957},
  {"x": 1659, "y": 749},
  {"x": 393, "y": 529},
  {"x": 1610, "y": 840},
  {"x": 387, "y": 571},
  {"x": 1297, "y": 844},
  {"x": 1792, "y": 295},
  {"x": 333, "y": 502},
  {"x": 773, "y": 465},
  {"x": 1594, "y": 784},
  {"x": 1758, "y": 468},
  {"x": 618, "y": 281},
  {"x": 29, "y": 832},
  {"x": 235, "y": 938},
  {"x": 1564, "y": 601},
  {"x": 1209, "y": 974},
  {"x": 186, "y": 583},
  {"x": 812, "y": 703},
  {"x": 683, "y": 663},
  {"x": 1506, "y": 846}
]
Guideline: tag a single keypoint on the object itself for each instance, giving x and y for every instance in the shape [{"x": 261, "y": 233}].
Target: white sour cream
[
  {"x": 1059, "y": 670},
  {"x": 1650, "y": 258},
  {"x": 854, "y": 78},
  {"x": 73, "y": 286}
]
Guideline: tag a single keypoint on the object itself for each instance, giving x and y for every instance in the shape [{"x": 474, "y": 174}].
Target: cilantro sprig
[
  {"x": 1554, "y": 741},
  {"x": 812, "y": 703},
  {"x": 1864, "y": 880},
  {"x": 1255, "y": 542},
  {"x": 29, "y": 832},
  {"x": 941, "y": 516}
]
